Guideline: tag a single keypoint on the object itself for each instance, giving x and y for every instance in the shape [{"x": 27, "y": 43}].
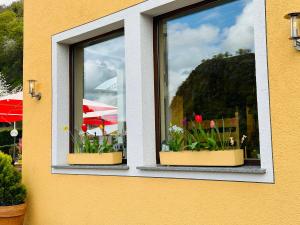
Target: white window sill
[
  {"x": 240, "y": 169},
  {"x": 242, "y": 174},
  {"x": 93, "y": 167}
]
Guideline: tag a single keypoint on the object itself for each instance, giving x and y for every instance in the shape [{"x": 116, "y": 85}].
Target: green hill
[{"x": 220, "y": 86}]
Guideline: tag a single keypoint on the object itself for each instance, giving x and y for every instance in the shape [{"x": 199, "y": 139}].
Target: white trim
[{"x": 137, "y": 22}]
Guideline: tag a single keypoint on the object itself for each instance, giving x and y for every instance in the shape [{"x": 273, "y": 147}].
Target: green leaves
[
  {"x": 105, "y": 147},
  {"x": 86, "y": 144},
  {"x": 11, "y": 43},
  {"x": 12, "y": 192}
]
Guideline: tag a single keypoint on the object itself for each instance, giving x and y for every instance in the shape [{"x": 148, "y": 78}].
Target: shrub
[{"x": 12, "y": 191}]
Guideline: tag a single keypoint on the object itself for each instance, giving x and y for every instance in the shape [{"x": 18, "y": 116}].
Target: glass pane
[
  {"x": 207, "y": 68},
  {"x": 99, "y": 94}
]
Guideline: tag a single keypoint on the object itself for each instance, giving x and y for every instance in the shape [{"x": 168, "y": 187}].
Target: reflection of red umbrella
[
  {"x": 11, "y": 110},
  {"x": 92, "y": 106},
  {"x": 97, "y": 121},
  {"x": 11, "y": 107}
]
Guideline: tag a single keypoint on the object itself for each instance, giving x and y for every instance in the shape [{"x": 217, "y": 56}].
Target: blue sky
[
  {"x": 203, "y": 34},
  {"x": 221, "y": 16}
]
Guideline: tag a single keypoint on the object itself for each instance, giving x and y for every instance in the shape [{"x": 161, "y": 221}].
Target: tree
[
  {"x": 6, "y": 89},
  {"x": 11, "y": 43}
]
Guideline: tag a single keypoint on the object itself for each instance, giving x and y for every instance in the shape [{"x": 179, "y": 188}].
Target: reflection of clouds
[
  {"x": 241, "y": 35},
  {"x": 103, "y": 62},
  {"x": 188, "y": 46}
]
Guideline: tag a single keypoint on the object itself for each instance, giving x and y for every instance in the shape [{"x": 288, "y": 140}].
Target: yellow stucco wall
[{"x": 94, "y": 200}]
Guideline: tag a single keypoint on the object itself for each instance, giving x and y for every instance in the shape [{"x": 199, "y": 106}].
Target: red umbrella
[
  {"x": 11, "y": 110},
  {"x": 92, "y": 106},
  {"x": 97, "y": 121},
  {"x": 11, "y": 107}
]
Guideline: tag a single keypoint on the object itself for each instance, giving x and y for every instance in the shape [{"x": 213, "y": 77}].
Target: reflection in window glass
[
  {"x": 207, "y": 67},
  {"x": 99, "y": 92}
]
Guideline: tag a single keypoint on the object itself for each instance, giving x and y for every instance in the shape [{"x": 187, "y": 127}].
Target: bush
[{"x": 12, "y": 191}]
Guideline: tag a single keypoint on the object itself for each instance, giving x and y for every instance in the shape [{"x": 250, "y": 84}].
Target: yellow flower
[{"x": 66, "y": 128}]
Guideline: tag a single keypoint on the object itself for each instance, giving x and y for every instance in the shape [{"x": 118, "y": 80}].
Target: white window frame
[{"x": 137, "y": 22}]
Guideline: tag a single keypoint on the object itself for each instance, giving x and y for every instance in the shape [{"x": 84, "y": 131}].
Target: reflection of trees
[{"x": 219, "y": 87}]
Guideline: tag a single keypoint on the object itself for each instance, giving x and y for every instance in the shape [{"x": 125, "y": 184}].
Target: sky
[
  {"x": 6, "y": 2},
  {"x": 104, "y": 73},
  {"x": 191, "y": 38},
  {"x": 223, "y": 28},
  {"x": 103, "y": 64}
]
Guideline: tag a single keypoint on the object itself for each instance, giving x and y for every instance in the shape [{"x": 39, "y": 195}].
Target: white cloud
[
  {"x": 188, "y": 46},
  {"x": 241, "y": 35},
  {"x": 7, "y": 2},
  {"x": 102, "y": 62}
]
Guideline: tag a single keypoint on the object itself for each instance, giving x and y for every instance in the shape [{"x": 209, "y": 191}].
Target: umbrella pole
[{"x": 14, "y": 153}]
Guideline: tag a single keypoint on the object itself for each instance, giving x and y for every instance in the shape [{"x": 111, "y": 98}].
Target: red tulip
[
  {"x": 212, "y": 124},
  {"x": 198, "y": 118},
  {"x": 84, "y": 127}
]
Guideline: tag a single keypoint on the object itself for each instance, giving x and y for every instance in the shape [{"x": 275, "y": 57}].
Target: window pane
[
  {"x": 207, "y": 67},
  {"x": 99, "y": 91}
]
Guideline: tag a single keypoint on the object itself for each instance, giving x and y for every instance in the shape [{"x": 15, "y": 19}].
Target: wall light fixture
[
  {"x": 295, "y": 28},
  {"x": 32, "y": 90}
]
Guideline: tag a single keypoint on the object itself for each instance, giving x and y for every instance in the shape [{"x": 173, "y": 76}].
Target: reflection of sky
[
  {"x": 104, "y": 70},
  {"x": 223, "y": 16},
  {"x": 104, "y": 74},
  {"x": 201, "y": 35}
]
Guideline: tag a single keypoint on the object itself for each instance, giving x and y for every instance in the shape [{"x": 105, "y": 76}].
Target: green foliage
[
  {"x": 220, "y": 86},
  {"x": 86, "y": 144},
  {"x": 11, "y": 43},
  {"x": 212, "y": 140},
  {"x": 12, "y": 191},
  {"x": 196, "y": 138},
  {"x": 175, "y": 140},
  {"x": 6, "y": 139},
  {"x": 106, "y": 146}
]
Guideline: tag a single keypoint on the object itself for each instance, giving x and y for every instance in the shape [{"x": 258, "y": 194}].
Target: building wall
[{"x": 94, "y": 200}]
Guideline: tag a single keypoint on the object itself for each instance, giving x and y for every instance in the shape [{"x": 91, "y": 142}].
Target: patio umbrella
[
  {"x": 92, "y": 106},
  {"x": 97, "y": 121},
  {"x": 11, "y": 107},
  {"x": 11, "y": 110},
  {"x": 96, "y": 114}
]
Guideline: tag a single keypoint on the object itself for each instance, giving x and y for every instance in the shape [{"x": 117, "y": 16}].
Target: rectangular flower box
[
  {"x": 203, "y": 158},
  {"x": 110, "y": 158}
]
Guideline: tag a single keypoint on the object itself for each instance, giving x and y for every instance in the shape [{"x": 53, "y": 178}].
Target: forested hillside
[
  {"x": 218, "y": 86},
  {"x": 11, "y": 43}
]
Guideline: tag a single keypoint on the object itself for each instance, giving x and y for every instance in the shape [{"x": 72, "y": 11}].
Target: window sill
[
  {"x": 92, "y": 167},
  {"x": 240, "y": 169}
]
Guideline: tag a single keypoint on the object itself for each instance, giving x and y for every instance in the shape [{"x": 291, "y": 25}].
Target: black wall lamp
[{"x": 295, "y": 28}]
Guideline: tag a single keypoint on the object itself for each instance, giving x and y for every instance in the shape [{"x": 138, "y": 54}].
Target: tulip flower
[
  {"x": 84, "y": 127},
  {"x": 184, "y": 122},
  {"x": 198, "y": 118},
  {"x": 212, "y": 124}
]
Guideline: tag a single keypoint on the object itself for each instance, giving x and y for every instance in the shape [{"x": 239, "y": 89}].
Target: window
[
  {"x": 94, "y": 47},
  {"x": 207, "y": 67},
  {"x": 98, "y": 93}
]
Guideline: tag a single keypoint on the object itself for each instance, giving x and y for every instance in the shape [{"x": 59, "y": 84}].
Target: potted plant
[
  {"x": 12, "y": 193},
  {"x": 198, "y": 147},
  {"x": 90, "y": 151}
]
